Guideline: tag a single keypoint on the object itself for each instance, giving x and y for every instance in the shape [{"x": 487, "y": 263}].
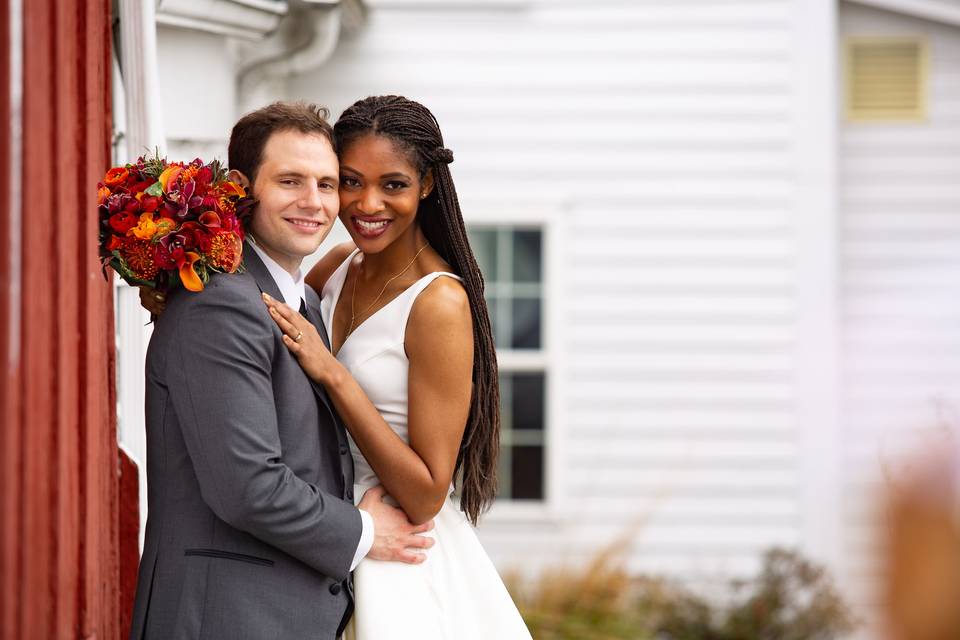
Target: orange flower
[
  {"x": 188, "y": 276},
  {"x": 225, "y": 251},
  {"x": 116, "y": 176},
  {"x": 102, "y": 194},
  {"x": 140, "y": 258},
  {"x": 189, "y": 172},
  {"x": 164, "y": 226},
  {"x": 146, "y": 229}
]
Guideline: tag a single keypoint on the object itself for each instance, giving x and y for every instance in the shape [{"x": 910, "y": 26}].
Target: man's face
[{"x": 296, "y": 186}]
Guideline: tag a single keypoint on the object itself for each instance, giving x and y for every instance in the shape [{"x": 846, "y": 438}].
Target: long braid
[{"x": 415, "y": 129}]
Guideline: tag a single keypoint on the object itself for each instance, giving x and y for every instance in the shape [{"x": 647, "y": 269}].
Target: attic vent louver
[{"x": 886, "y": 79}]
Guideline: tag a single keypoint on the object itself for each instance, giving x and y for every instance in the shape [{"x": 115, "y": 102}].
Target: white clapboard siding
[
  {"x": 900, "y": 208},
  {"x": 658, "y": 137}
]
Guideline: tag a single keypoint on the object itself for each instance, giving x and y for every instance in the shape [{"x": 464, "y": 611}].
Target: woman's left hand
[{"x": 302, "y": 339}]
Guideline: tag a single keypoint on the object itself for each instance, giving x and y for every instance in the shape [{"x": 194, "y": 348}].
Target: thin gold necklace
[{"x": 353, "y": 294}]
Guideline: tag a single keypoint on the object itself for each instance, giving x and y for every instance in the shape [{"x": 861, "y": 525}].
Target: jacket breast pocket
[{"x": 229, "y": 555}]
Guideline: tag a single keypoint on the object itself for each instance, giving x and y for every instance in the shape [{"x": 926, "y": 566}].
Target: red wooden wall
[{"x": 60, "y": 544}]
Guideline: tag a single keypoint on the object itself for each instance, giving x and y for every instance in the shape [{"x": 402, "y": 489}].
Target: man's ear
[{"x": 240, "y": 179}]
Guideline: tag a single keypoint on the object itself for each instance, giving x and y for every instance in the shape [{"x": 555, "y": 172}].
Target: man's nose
[{"x": 311, "y": 199}]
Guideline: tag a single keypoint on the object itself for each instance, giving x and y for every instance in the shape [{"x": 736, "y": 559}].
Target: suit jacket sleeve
[{"x": 219, "y": 373}]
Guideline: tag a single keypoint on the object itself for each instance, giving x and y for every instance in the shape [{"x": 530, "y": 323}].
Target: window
[
  {"x": 511, "y": 259},
  {"x": 886, "y": 79}
]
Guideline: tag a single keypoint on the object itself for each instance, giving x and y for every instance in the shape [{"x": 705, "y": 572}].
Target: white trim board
[
  {"x": 816, "y": 224},
  {"x": 934, "y": 10}
]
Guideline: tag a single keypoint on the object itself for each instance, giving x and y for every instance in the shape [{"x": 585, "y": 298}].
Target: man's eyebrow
[{"x": 297, "y": 174}]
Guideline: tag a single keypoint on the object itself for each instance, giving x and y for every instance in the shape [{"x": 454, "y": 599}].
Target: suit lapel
[
  {"x": 316, "y": 319},
  {"x": 313, "y": 315},
  {"x": 261, "y": 275},
  {"x": 255, "y": 267}
]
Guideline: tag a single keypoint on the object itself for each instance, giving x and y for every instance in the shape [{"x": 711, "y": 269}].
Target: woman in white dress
[{"x": 412, "y": 373}]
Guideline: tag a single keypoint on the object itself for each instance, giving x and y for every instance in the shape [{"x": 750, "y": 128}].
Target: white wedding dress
[{"x": 456, "y": 594}]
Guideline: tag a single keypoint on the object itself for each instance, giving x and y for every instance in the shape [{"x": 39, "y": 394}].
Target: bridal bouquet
[{"x": 164, "y": 223}]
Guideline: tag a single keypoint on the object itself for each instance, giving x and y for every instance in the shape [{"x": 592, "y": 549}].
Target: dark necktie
[{"x": 303, "y": 308}]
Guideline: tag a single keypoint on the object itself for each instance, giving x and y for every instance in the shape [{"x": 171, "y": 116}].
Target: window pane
[
  {"x": 499, "y": 310},
  {"x": 484, "y": 245},
  {"x": 527, "y": 400},
  {"x": 526, "y": 323},
  {"x": 505, "y": 464},
  {"x": 526, "y": 468},
  {"x": 527, "y": 258}
]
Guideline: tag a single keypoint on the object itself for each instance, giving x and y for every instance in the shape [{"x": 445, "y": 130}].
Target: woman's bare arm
[{"x": 439, "y": 346}]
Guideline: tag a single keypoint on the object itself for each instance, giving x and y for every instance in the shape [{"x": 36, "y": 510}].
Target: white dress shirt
[{"x": 292, "y": 288}]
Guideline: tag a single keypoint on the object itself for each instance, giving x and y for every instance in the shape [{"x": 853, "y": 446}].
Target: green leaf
[{"x": 156, "y": 189}]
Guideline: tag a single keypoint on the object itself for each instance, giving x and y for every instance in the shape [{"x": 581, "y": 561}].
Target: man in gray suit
[{"x": 252, "y": 532}]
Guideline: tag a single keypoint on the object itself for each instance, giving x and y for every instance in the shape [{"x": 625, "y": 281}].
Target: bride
[{"x": 412, "y": 372}]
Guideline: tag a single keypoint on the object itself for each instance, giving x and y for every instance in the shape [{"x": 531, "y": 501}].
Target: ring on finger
[{"x": 299, "y": 336}]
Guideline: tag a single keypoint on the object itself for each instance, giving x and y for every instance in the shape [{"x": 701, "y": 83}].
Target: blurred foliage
[{"x": 789, "y": 599}]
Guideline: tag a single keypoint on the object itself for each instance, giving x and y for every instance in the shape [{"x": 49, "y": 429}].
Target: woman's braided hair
[{"x": 416, "y": 132}]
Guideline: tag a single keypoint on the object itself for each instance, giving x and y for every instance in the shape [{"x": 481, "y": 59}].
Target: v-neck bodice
[{"x": 374, "y": 354}]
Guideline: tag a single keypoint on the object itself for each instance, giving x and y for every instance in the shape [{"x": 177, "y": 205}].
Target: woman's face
[{"x": 380, "y": 190}]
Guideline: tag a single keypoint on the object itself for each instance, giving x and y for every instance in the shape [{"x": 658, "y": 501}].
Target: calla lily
[
  {"x": 188, "y": 275},
  {"x": 169, "y": 176},
  {"x": 210, "y": 219}
]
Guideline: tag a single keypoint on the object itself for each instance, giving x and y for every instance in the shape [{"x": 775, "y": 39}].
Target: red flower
[
  {"x": 204, "y": 176},
  {"x": 116, "y": 176},
  {"x": 150, "y": 203},
  {"x": 139, "y": 187},
  {"x": 123, "y": 221}
]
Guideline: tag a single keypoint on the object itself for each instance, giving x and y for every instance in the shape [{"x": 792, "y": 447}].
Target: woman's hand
[
  {"x": 152, "y": 300},
  {"x": 303, "y": 341}
]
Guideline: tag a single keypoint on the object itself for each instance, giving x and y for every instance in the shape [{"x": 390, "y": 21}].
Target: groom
[{"x": 252, "y": 532}]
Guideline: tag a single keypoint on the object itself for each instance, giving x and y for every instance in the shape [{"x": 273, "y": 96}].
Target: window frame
[{"x": 548, "y": 220}]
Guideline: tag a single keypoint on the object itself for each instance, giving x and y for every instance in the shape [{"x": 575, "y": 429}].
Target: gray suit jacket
[{"x": 251, "y": 527}]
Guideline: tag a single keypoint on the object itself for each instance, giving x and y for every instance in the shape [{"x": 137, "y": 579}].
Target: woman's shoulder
[
  {"x": 443, "y": 302},
  {"x": 325, "y": 267}
]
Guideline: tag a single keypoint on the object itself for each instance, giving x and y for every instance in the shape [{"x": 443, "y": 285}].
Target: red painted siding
[{"x": 60, "y": 540}]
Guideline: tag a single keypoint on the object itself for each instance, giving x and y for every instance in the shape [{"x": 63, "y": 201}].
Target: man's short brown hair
[{"x": 250, "y": 134}]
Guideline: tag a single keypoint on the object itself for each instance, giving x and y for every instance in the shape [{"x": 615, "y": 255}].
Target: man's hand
[
  {"x": 395, "y": 538},
  {"x": 152, "y": 300}
]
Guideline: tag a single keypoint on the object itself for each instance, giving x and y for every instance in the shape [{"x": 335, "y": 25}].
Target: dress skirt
[{"x": 455, "y": 594}]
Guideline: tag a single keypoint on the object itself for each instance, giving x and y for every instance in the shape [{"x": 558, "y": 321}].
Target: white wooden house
[{"x": 721, "y": 239}]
